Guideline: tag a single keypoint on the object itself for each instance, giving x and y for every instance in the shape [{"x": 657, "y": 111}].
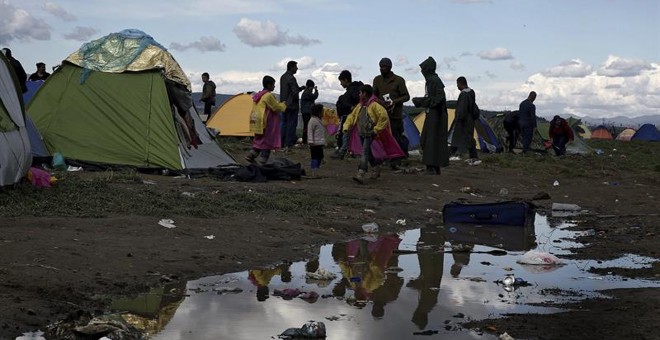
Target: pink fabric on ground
[{"x": 40, "y": 178}]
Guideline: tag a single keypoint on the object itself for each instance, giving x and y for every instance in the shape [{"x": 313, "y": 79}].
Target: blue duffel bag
[{"x": 503, "y": 213}]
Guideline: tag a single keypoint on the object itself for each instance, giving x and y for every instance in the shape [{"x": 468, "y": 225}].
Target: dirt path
[{"x": 54, "y": 265}]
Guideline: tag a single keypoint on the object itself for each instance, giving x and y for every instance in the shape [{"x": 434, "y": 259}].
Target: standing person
[
  {"x": 18, "y": 69},
  {"x": 41, "y": 73},
  {"x": 435, "y": 152},
  {"x": 265, "y": 123},
  {"x": 512, "y": 128},
  {"x": 392, "y": 92},
  {"x": 527, "y": 119},
  {"x": 307, "y": 98},
  {"x": 208, "y": 94},
  {"x": 560, "y": 133},
  {"x": 316, "y": 137},
  {"x": 345, "y": 104},
  {"x": 462, "y": 139},
  {"x": 370, "y": 119},
  {"x": 289, "y": 94}
]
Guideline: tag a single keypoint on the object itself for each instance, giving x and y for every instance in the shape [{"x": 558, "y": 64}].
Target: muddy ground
[{"x": 72, "y": 250}]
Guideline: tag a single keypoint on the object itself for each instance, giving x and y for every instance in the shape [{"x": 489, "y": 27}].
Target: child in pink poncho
[{"x": 265, "y": 123}]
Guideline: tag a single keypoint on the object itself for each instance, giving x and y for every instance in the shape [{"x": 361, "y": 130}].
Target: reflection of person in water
[
  {"x": 363, "y": 264},
  {"x": 261, "y": 277},
  {"x": 430, "y": 275},
  {"x": 461, "y": 255}
]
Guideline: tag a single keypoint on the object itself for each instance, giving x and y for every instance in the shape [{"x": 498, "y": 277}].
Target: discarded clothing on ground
[{"x": 276, "y": 169}]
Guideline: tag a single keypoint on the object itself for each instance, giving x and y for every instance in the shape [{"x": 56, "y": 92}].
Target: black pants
[
  {"x": 559, "y": 144},
  {"x": 316, "y": 153},
  {"x": 513, "y": 132},
  {"x": 207, "y": 107},
  {"x": 306, "y": 116}
]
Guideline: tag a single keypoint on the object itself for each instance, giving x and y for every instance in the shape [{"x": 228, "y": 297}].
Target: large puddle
[{"x": 386, "y": 287}]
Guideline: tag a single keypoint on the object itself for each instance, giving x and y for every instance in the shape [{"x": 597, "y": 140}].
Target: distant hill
[{"x": 621, "y": 121}]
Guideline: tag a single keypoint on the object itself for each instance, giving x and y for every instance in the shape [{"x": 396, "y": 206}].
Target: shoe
[
  {"x": 432, "y": 171},
  {"x": 250, "y": 158},
  {"x": 473, "y": 161},
  {"x": 375, "y": 173},
  {"x": 454, "y": 158},
  {"x": 359, "y": 177}
]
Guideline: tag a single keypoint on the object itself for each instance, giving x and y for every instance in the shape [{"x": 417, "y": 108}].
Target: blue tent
[
  {"x": 411, "y": 131},
  {"x": 37, "y": 145},
  {"x": 647, "y": 132}
]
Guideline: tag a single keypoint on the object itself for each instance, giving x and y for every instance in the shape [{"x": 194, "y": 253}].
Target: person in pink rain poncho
[{"x": 265, "y": 123}]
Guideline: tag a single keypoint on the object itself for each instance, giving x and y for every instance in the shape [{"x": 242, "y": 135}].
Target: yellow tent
[
  {"x": 232, "y": 118},
  {"x": 451, "y": 114}
]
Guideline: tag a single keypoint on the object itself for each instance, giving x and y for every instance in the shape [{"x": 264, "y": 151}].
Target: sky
[{"x": 590, "y": 58}]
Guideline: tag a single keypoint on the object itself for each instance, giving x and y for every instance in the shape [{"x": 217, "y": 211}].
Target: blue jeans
[
  {"x": 367, "y": 158},
  {"x": 527, "y": 134},
  {"x": 289, "y": 125}
]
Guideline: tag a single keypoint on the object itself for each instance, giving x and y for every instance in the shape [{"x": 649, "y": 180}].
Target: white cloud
[
  {"x": 490, "y": 75},
  {"x": 58, "y": 11},
  {"x": 81, "y": 33},
  {"x": 517, "y": 65},
  {"x": 573, "y": 69},
  {"x": 592, "y": 95},
  {"x": 499, "y": 53},
  {"x": 204, "y": 44},
  {"x": 267, "y": 33},
  {"x": 18, "y": 24},
  {"x": 619, "y": 67},
  {"x": 304, "y": 63}
]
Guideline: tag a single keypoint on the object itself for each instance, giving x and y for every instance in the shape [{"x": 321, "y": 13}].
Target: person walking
[
  {"x": 560, "y": 133},
  {"x": 433, "y": 141},
  {"x": 18, "y": 69},
  {"x": 208, "y": 94},
  {"x": 41, "y": 73},
  {"x": 265, "y": 123},
  {"x": 345, "y": 104},
  {"x": 307, "y": 99},
  {"x": 392, "y": 92},
  {"x": 512, "y": 127},
  {"x": 316, "y": 138},
  {"x": 462, "y": 140},
  {"x": 289, "y": 94},
  {"x": 527, "y": 119}
]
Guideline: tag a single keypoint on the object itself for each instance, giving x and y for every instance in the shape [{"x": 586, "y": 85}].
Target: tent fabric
[
  {"x": 647, "y": 132},
  {"x": 36, "y": 141},
  {"x": 601, "y": 132},
  {"x": 411, "y": 131},
  {"x": 15, "y": 156},
  {"x": 497, "y": 124},
  {"x": 232, "y": 118},
  {"x": 625, "y": 135},
  {"x": 127, "y": 119}
]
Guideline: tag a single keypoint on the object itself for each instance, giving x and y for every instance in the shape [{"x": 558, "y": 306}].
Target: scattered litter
[
  {"x": 509, "y": 280},
  {"x": 506, "y": 336},
  {"x": 566, "y": 207},
  {"x": 147, "y": 181},
  {"x": 74, "y": 168},
  {"x": 309, "y": 296},
  {"x": 321, "y": 274},
  {"x": 370, "y": 211},
  {"x": 538, "y": 258},
  {"x": 227, "y": 290},
  {"x": 556, "y": 183},
  {"x": 599, "y": 151},
  {"x": 287, "y": 293},
  {"x": 311, "y": 330},
  {"x": 504, "y": 192},
  {"x": 401, "y": 221},
  {"x": 435, "y": 185},
  {"x": 167, "y": 223},
  {"x": 371, "y": 227},
  {"x": 209, "y": 237},
  {"x": 589, "y": 232}
]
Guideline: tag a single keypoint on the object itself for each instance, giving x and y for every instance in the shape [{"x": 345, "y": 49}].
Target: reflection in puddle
[{"x": 389, "y": 286}]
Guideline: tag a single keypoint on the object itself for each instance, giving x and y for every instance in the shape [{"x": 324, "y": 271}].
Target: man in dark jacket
[
  {"x": 392, "y": 93},
  {"x": 289, "y": 93},
  {"x": 462, "y": 139},
  {"x": 527, "y": 119},
  {"x": 18, "y": 69},
  {"x": 435, "y": 152},
  {"x": 512, "y": 128},
  {"x": 208, "y": 94},
  {"x": 345, "y": 104}
]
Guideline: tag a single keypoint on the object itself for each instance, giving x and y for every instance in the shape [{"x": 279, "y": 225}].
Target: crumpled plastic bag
[
  {"x": 310, "y": 330},
  {"x": 539, "y": 258},
  {"x": 321, "y": 274}
]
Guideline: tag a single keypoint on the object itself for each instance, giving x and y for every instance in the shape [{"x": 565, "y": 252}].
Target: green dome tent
[{"x": 124, "y": 100}]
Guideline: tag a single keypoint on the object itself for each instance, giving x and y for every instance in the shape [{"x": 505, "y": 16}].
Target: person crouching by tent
[
  {"x": 316, "y": 137},
  {"x": 265, "y": 123},
  {"x": 372, "y": 138},
  {"x": 561, "y": 134}
]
